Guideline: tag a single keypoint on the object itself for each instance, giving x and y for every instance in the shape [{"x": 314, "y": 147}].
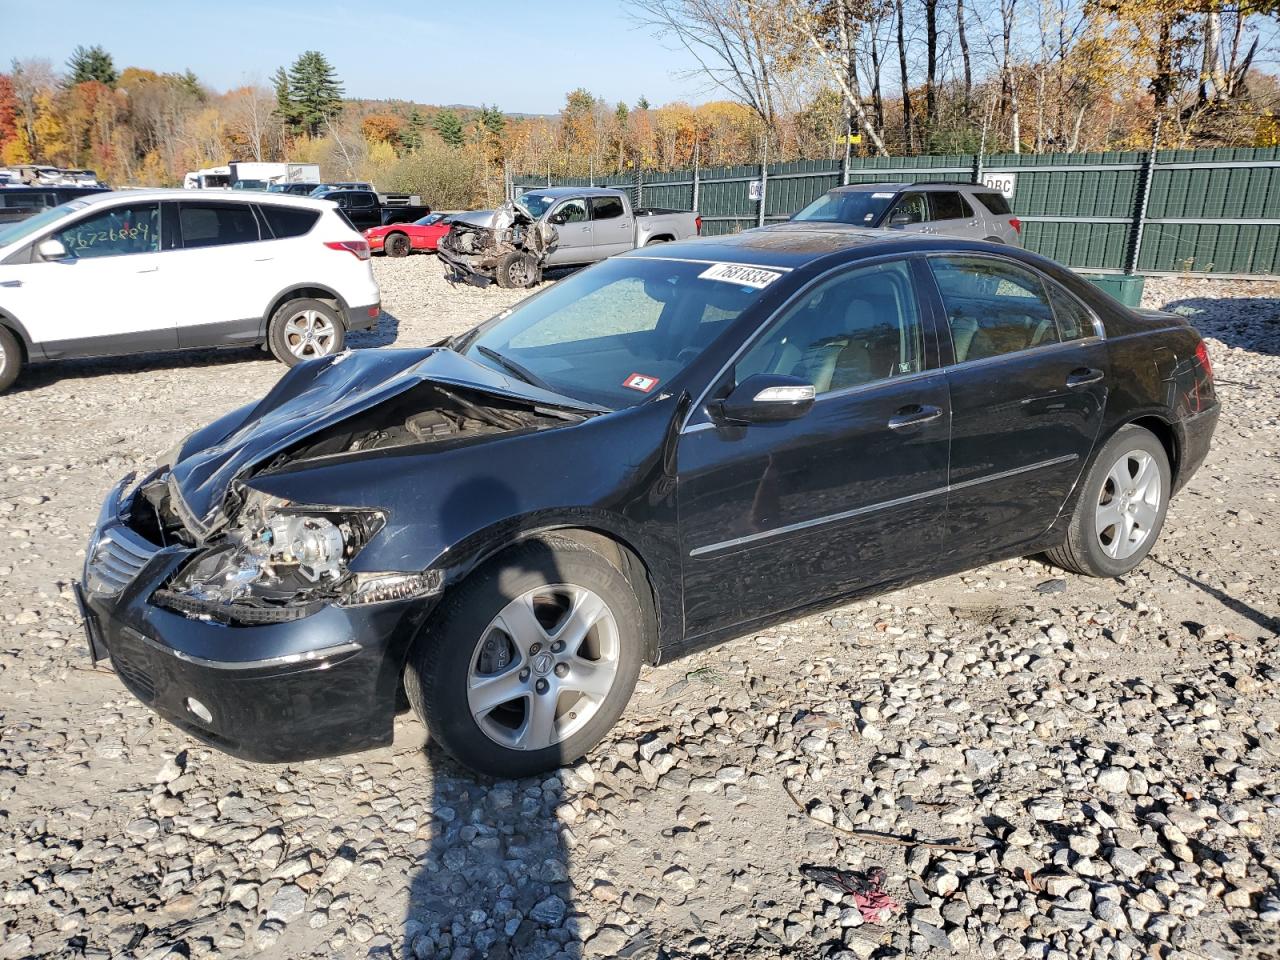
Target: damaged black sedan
[{"x": 661, "y": 452}]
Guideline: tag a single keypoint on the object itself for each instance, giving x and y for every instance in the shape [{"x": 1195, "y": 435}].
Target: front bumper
[{"x": 320, "y": 686}]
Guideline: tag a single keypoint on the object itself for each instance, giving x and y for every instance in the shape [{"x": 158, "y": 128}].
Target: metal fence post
[
  {"x": 639, "y": 190},
  {"x": 764, "y": 181},
  {"x": 697, "y": 178},
  {"x": 977, "y": 168},
  {"x": 1144, "y": 197}
]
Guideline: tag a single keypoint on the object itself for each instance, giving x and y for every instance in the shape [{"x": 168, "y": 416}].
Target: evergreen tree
[
  {"x": 448, "y": 125},
  {"x": 493, "y": 120},
  {"x": 312, "y": 93},
  {"x": 411, "y": 132},
  {"x": 91, "y": 63},
  {"x": 642, "y": 103}
]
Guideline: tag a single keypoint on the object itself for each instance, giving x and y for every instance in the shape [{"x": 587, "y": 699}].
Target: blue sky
[{"x": 522, "y": 56}]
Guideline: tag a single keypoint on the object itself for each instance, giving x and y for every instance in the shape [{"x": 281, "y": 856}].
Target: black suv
[{"x": 18, "y": 203}]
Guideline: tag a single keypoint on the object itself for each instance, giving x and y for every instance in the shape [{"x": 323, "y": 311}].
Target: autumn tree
[{"x": 381, "y": 127}]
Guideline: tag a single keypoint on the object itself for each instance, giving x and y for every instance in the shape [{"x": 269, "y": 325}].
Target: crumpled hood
[
  {"x": 312, "y": 397},
  {"x": 476, "y": 218}
]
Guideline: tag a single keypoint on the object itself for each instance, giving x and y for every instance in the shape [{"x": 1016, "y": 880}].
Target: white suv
[{"x": 142, "y": 270}]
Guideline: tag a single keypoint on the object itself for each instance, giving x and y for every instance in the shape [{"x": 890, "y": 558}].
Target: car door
[
  {"x": 779, "y": 516},
  {"x": 952, "y": 216},
  {"x": 613, "y": 227},
  {"x": 910, "y": 214},
  {"x": 225, "y": 271},
  {"x": 111, "y": 293},
  {"x": 1028, "y": 389},
  {"x": 574, "y": 232}
]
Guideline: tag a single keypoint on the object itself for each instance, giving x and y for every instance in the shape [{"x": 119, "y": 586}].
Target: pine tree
[
  {"x": 493, "y": 120},
  {"x": 286, "y": 112},
  {"x": 411, "y": 132},
  {"x": 314, "y": 94},
  {"x": 448, "y": 125},
  {"x": 91, "y": 63}
]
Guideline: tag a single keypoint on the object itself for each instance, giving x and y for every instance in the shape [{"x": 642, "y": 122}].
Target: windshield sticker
[
  {"x": 882, "y": 196},
  {"x": 739, "y": 274},
  {"x": 641, "y": 382}
]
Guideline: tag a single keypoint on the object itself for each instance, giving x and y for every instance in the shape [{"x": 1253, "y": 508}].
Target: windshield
[
  {"x": 535, "y": 204},
  {"x": 860, "y": 207},
  {"x": 17, "y": 231},
  {"x": 617, "y": 332}
]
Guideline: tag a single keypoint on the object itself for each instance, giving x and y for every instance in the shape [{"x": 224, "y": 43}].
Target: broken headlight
[{"x": 280, "y": 561}]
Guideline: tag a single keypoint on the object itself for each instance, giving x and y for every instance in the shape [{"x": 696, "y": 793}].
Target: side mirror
[
  {"x": 559, "y": 218},
  {"x": 766, "y": 398},
  {"x": 900, "y": 218},
  {"x": 52, "y": 249}
]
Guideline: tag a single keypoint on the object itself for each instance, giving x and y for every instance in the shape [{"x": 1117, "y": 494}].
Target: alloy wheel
[
  {"x": 309, "y": 333},
  {"x": 543, "y": 667},
  {"x": 1128, "y": 505}
]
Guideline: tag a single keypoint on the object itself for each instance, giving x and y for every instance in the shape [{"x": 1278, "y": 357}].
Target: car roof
[
  {"x": 177, "y": 193},
  {"x": 575, "y": 191},
  {"x": 797, "y": 244},
  {"x": 895, "y": 187}
]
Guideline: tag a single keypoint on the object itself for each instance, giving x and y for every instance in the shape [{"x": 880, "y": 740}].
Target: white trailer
[{"x": 251, "y": 173}]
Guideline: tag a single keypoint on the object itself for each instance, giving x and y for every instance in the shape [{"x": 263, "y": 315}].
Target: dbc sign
[{"x": 1004, "y": 182}]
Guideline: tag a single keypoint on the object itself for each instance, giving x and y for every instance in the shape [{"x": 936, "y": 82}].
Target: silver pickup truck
[{"x": 555, "y": 227}]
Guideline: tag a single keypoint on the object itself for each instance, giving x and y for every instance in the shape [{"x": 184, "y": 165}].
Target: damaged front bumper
[{"x": 321, "y": 685}]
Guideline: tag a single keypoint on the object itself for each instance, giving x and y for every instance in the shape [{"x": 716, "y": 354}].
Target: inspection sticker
[
  {"x": 882, "y": 196},
  {"x": 742, "y": 275},
  {"x": 638, "y": 381}
]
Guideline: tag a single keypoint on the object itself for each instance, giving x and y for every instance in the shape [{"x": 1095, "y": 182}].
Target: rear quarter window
[
  {"x": 288, "y": 222},
  {"x": 995, "y": 202}
]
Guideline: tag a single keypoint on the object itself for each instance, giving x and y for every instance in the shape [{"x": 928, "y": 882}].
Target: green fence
[{"x": 1200, "y": 212}]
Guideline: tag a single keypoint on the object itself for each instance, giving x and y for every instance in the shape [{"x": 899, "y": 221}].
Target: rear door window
[
  {"x": 994, "y": 307},
  {"x": 117, "y": 231},
  {"x": 206, "y": 224},
  {"x": 286, "y": 222},
  {"x": 606, "y": 208},
  {"x": 949, "y": 206}
]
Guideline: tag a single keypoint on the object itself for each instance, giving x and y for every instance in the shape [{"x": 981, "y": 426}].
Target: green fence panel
[
  {"x": 1100, "y": 246},
  {"x": 1211, "y": 248}
]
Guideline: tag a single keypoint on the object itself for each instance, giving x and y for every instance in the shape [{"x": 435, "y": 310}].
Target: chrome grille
[{"x": 118, "y": 557}]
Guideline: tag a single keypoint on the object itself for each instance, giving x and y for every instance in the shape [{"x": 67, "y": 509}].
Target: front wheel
[
  {"x": 1121, "y": 509},
  {"x": 10, "y": 358},
  {"x": 529, "y": 661},
  {"x": 517, "y": 270},
  {"x": 305, "y": 329},
  {"x": 396, "y": 245}
]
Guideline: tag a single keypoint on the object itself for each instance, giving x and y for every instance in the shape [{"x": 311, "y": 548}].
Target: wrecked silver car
[{"x": 506, "y": 246}]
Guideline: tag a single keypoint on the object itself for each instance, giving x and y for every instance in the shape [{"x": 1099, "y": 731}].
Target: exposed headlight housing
[{"x": 280, "y": 561}]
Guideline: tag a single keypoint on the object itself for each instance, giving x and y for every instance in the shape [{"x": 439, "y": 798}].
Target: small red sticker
[{"x": 638, "y": 381}]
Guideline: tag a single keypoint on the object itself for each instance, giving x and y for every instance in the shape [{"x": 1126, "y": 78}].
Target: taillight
[
  {"x": 357, "y": 248},
  {"x": 697, "y": 222},
  {"x": 1202, "y": 354},
  {"x": 1016, "y": 224}
]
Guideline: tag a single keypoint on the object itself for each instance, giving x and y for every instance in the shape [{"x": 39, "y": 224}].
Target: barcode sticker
[{"x": 740, "y": 274}]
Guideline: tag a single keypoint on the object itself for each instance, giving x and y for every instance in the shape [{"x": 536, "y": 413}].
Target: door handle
[
  {"x": 1083, "y": 376},
  {"x": 914, "y": 415},
  {"x": 10, "y": 283},
  {"x": 147, "y": 269},
  {"x": 263, "y": 259}
]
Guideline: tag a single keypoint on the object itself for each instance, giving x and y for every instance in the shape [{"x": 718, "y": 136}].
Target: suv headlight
[{"x": 281, "y": 561}]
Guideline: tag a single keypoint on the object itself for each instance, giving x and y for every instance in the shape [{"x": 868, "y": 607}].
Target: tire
[
  {"x": 10, "y": 358},
  {"x": 396, "y": 245},
  {"x": 287, "y": 332},
  {"x": 657, "y": 240},
  {"x": 1119, "y": 485},
  {"x": 517, "y": 271},
  {"x": 465, "y": 642}
]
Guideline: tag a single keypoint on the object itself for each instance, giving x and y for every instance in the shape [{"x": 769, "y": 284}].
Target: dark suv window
[
  {"x": 216, "y": 224},
  {"x": 996, "y": 203},
  {"x": 606, "y": 208},
  {"x": 288, "y": 221},
  {"x": 993, "y": 306},
  {"x": 949, "y": 206}
]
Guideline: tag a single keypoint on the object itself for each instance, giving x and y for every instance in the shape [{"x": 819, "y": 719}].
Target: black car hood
[{"x": 317, "y": 395}]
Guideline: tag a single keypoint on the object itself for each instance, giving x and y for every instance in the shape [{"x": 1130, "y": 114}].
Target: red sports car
[{"x": 399, "y": 239}]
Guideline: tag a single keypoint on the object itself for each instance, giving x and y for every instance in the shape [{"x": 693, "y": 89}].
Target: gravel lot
[{"x": 1105, "y": 754}]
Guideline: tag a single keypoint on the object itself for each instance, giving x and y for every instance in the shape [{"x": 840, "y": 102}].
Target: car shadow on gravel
[
  {"x": 1238, "y": 607},
  {"x": 383, "y": 335},
  {"x": 1234, "y": 320}
]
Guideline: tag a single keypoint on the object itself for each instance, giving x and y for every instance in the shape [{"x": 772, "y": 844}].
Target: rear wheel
[
  {"x": 1121, "y": 509},
  {"x": 517, "y": 270},
  {"x": 305, "y": 329},
  {"x": 396, "y": 245},
  {"x": 529, "y": 661},
  {"x": 10, "y": 358}
]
